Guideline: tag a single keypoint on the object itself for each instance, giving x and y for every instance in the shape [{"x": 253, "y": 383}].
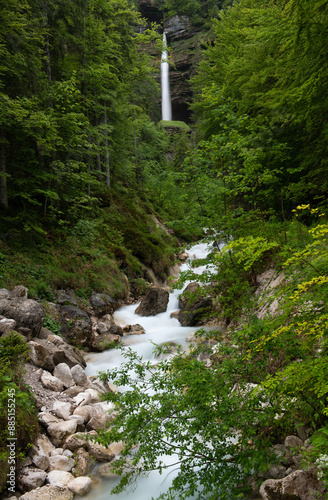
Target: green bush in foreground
[
  {"x": 18, "y": 414},
  {"x": 267, "y": 378}
]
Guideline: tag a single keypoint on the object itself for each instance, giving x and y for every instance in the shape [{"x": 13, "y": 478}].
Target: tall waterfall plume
[{"x": 165, "y": 83}]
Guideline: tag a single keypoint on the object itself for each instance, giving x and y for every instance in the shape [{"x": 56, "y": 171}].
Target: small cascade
[
  {"x": 159, "y": 329},
  {"x": 165, "y": 83}
]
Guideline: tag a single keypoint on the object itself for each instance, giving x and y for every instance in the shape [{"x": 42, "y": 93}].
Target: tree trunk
[
  {"x": 106, "y": 150},
  {"x": 3, "y": 180}
]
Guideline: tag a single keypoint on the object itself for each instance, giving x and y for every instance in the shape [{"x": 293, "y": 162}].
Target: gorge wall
[{"x": 185, "y": 43}]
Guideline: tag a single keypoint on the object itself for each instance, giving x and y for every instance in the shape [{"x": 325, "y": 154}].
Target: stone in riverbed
[
  {"x": 154, "y": 302},
  {"x": 60, "y": 478},
  {"x": 80, "y": 485}
]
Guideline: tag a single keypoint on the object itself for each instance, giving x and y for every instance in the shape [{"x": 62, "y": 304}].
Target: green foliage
[
  {"x": 14, "y": 394},
  {"x": 174, "y": 124},
  {"x": 51, "y": 324},
  {"x": 182, "y": 408}
]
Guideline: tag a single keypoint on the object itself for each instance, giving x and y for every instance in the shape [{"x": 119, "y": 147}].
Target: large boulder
[
  {"x": 28, "y": 479},
  {"x": 50, "y": 382},
  {"x": 194, "y": 307},
  {"x": 61, "y": 462},
  {"x": 299, "y": 485},
  {"x": 60, "y": 478},
  {"x": 28, "y": 314},
  {"x": 76, "y": 326},
  {"x": 63, "y": 373},
  {"x": 102, "y": 304},
  {"x": 66, "y": 353},
  {"x": 154, "y": 302},
  {"x": 105, "y": 341},
  {"x": 83, "y": 462},
  {"x": 59, "y": 431},
  {"x": 80, "y": 486},
  {"x": 47, "y": 353}
]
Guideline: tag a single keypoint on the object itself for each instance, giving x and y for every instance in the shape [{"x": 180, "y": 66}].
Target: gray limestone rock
[
  {"x": 154, "y": 302},
  {"x": 63, "y": 372},
  {"x": 27, "y": 313},
  {"x": 61, "y": 462},
  {"x": 80, "y": 485},
  {"x": 30, "y": 478},
  {"x": 49, "y": 492},
  {"x": 59, "y": 431},
  {"x": 60, "y": 478}
]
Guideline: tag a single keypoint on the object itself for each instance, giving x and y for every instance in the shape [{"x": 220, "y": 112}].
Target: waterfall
[{"x": 165, "y": 83}]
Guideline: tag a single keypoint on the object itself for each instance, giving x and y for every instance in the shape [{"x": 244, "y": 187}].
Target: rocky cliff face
[{"x": 184, "y": 44}]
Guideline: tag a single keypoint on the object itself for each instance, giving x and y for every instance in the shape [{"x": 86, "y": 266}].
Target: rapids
[{"x": 160, "y": 328}]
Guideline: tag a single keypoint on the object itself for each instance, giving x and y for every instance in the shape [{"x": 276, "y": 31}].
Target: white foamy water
[
  {"x": 160, "y": 328},
  {"x": 165, "y": 84}
]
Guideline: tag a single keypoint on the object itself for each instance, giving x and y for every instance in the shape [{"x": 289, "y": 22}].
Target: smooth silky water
[
  {"x": 165, "y": 83},
  {"x": 159, "y": 329}
]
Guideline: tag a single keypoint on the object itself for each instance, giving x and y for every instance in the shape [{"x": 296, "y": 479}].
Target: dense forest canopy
[{"x": 85, "y": 162}]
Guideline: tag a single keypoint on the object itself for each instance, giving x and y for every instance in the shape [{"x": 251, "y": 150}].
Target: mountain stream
[{"x": 159, "y": 329}]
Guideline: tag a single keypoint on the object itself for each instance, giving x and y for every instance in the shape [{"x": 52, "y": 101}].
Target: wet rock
[
  {"x": 133, "y": 330},
  {"x": 99, "y": 385},
  {"x": 154, "y": 302},
  {"x": 100, "y": 453},
  {"x": 104, "y": 341},
  {"x": 194, "y": 308}
]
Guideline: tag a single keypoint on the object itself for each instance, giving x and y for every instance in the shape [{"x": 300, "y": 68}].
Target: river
[{"x": 160, "y": 328}]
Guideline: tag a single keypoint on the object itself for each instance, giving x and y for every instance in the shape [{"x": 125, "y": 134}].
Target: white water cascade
[
  {"x": 160, "y": 328},
  {"x": 165, "y": 83}
]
